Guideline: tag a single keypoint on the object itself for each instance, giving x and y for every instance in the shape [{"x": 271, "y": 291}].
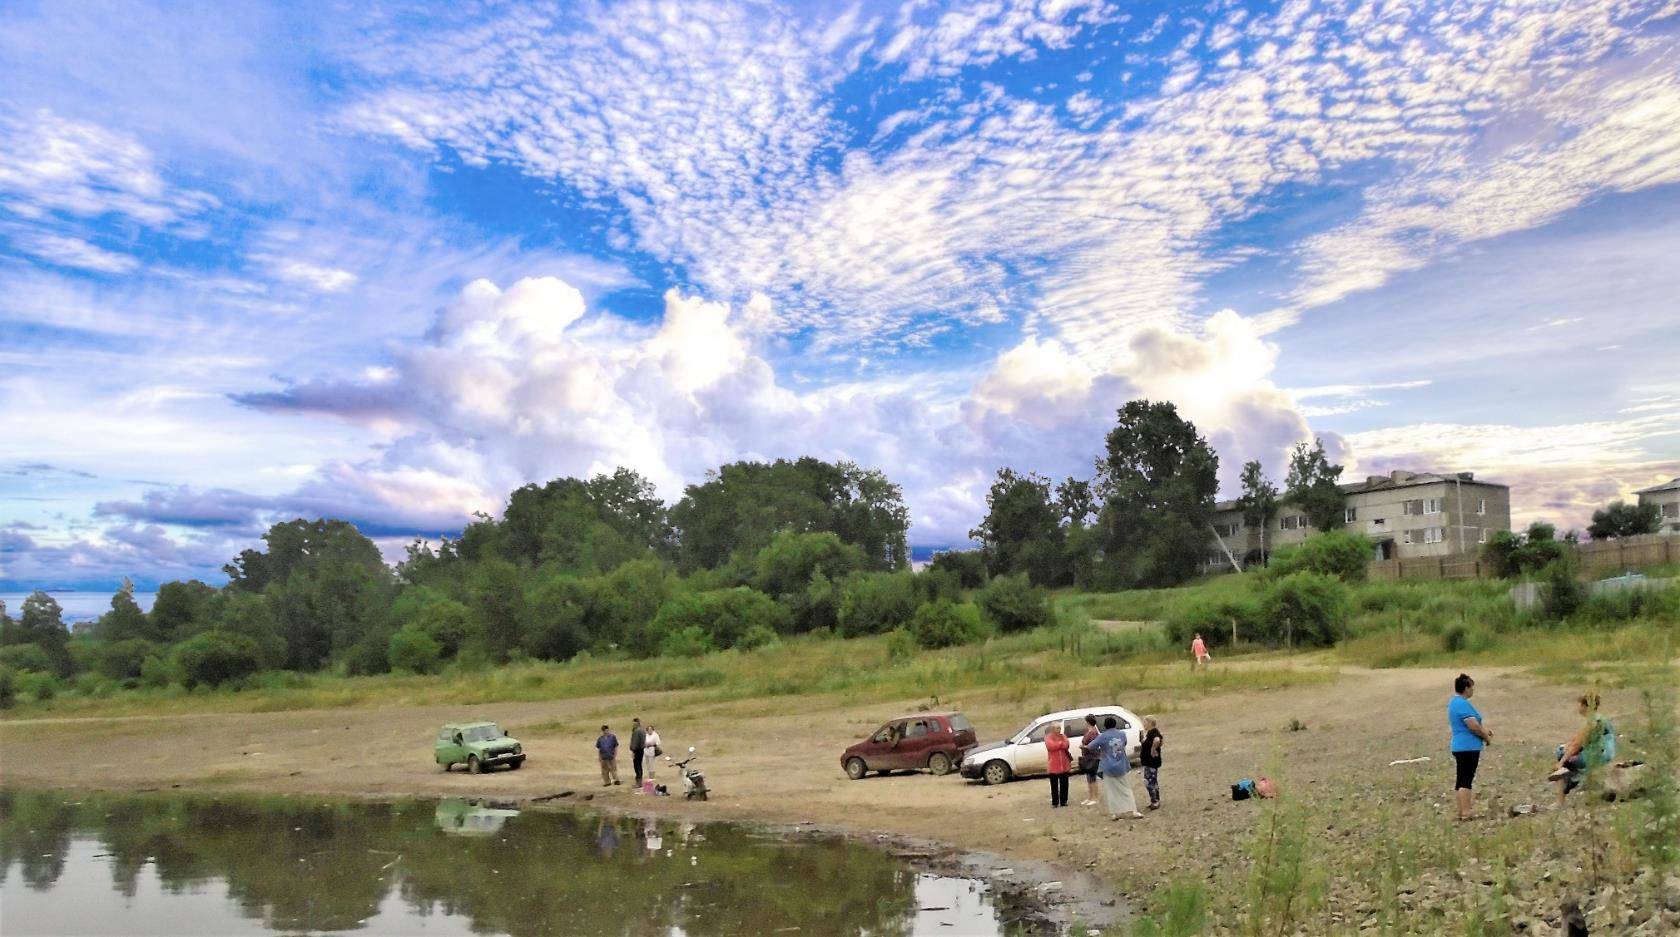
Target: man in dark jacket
[
  {"x": 607, "y": 747},
  {"x": 638, "y": 741}
]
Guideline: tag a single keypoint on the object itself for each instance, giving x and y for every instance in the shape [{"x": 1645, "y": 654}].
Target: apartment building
[
  {"x": 1666, "y": 497},
  {"x": 1404, "y": 514}
]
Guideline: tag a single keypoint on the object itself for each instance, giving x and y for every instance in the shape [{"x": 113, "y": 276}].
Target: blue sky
[{"x": 388, "y": 262}]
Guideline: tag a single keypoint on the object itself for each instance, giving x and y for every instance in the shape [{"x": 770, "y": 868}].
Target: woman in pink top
[
  {"x": 1199, "y": 652},
  {"x": 1056, "y": 747}
]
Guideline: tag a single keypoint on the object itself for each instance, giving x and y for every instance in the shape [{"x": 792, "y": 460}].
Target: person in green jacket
[{"x": 1591, "y": 747}]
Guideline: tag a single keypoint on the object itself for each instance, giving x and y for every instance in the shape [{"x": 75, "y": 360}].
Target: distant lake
[{"x": 78, "y": 606}]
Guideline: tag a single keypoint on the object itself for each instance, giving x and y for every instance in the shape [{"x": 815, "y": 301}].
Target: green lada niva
[{"x": 478, "y": 745}]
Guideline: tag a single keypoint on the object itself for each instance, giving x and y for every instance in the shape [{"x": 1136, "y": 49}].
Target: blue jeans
[{"x": 1152, "y": 782}]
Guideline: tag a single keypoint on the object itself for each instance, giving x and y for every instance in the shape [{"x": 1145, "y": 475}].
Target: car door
[
  {"x": 877, "y": 749},
  {"x": 918, "y": 743},
  {"x": 1031, "y": 757},
  {"x": 448, "y": 752}
]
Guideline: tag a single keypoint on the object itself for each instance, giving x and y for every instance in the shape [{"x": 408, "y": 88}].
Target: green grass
[{"x": 1053, "y": 665}]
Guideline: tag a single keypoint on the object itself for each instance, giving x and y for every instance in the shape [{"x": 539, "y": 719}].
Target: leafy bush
[
  {"x": 26, "y": 657},
  {"x": 122, "y": 660},
  {"x": 1212, "y": 618},
  {"x": 724, "y": 616},
  {"x": 1512, "y": 555},
  {"x": 215, "y": 657},
  {"x": 1306, "y": 608},
  {"x": 556, "y": 618},
  {"x": 413, "y": 650},
  {"x": 946, "y": 624},
  {"x": 8, "y": 687},
  {"x": 689, "y": 641},
  {"x": 875, "y": 603},
  {"x": 158, "y": 670},
  {"x": 1460, "y": 636},
  {"x": 1340, "y": 553},
  {"x": 901, "y": 644},
  {"x": 969, "y": 566},
  {"x": 1563, "y": 593},
  {"x": 757, "y": 635},
  {"x": 1013, "y": 603},
  {"x": 37, "y": 685}
]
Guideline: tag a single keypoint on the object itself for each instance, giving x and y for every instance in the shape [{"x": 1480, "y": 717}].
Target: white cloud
[
  {"x": 67, "y": 251},
  {"x": 523, "y": 384},
  {"x": 52, "y": 164}
]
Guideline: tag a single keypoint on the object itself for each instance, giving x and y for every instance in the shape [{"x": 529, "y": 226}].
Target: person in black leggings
[
  {"x": 1060, "y": 764},
  {"x": 1469, "y": 737}
]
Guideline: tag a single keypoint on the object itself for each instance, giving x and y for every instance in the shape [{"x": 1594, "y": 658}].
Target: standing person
[
  {"x": 1088, "y": 760},
  {"x": 638, "y": 740},
  {"x": 1117, "y": 787},
  {"x": 651, "y": 746},
  {"x": 607, "y": 747},
  {"x": 1199, "y": 653},
  {"x": 1591, "y": 747},
  {"x": 1056, "y": 748},
  {"x": 1469, "y": 737},
  {"x": 1151, "y": 758}
]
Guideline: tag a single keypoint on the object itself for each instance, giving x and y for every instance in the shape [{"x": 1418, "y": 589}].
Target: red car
[{"x": 935, "y": 741}]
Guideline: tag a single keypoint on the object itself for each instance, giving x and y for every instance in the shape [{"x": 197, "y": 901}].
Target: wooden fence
[{"x": 1596, "y": 557}]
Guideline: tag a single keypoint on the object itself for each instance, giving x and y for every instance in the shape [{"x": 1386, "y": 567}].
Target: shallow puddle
[{"x": 161, "y": 864}]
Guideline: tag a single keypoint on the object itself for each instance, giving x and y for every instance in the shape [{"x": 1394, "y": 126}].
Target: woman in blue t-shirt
[{"x": 1469, "y": 736}]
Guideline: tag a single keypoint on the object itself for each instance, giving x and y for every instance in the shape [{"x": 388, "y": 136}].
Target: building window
[
  {"x": 1377, "y": 523},
  {"x": 1292, "y": 522},
  {"x": 1227, "y": 530},
  {"x": 1481, "y": 506},
  {"x": 1411, "y": 508},
  {"x": 1406, "y": 537},
  {"x": 1482, "y": 537},
  {"x": 1349, "y": 514},
  {"x": 1432, "y": 506},
  {"x": 1434, "y": 534}
]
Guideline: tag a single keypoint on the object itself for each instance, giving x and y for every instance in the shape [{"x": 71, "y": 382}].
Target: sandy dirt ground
[{"x": 778, "y": 761}]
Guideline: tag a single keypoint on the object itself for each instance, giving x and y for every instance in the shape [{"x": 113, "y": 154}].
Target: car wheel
[
  {"x": 474, "y": 766},
  {"x": 996, "y": 772},
  {"x": 447, "y": 765},
  {"x": 939, "y": 763},
  {"x": 856, "y": 769},
  {"x": 515, "y": 764}
]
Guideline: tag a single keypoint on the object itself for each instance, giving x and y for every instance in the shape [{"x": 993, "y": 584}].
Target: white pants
[{"x": 1117, "y": 793}]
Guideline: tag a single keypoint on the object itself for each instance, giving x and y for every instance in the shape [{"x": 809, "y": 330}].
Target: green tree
[
  {"x": 181, "y": 609},
  {"x": 946, "y": 624},
  {"x": 1313, "y": 486},
  {"x": 498, "y": 606},
  {"x": 1620, "y": 519},
  {"x": 799, "y": 569},
  {"x": 742, "y": 505},
  {"x": 1013, "y": 603},
  {"x": 413, "y": 651},
  {"x": 125, "y": 621},
  {"x": 42, "y": 624},
  {"x": 1339, "y": 553},
  {"x": 1157, "y": 479},
  {"x": 557, "y": 617},
  {"x": 1306, "y": 608},
  {"x": 1258, "y": 501},
  {"x": 216, "y": 657},
  {"x": 874, "y": 603},
  {"x": 624, "y": 602},
  {"x": 968, "y": 566},
  {"x": 1513, "y": 555},
  {"x": 724, "y": 616},
  {"x": 585, "y": 526},
  {"x": 302, "y": 544},
  {"x": 1022, "y": 530}
]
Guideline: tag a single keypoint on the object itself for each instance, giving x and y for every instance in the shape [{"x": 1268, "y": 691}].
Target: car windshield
[{"x": 483, "y": 733}]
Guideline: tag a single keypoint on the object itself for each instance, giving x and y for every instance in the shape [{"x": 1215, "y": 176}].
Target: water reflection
[{"x": 139, "y": 864}]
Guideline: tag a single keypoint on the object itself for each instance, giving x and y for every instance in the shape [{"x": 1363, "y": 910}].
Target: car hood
[
  {"x": 494, "y": 744},
  {"x": 988, "y": 747}
]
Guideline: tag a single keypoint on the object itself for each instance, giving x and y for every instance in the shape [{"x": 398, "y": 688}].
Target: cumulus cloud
[
  {"x": 524, "y": 384},
  {"x": 976, "y": 208}
]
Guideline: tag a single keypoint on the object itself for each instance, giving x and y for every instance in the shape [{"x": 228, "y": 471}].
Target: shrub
[
  {"x": 690, "y": 641},
  {"x": 1212, "y": 620},
  {"x": 215, "y": 657},
  {"x": 8, "y": 688},
  {"x": 901, "y": 644},
  {"x": 413, "y": 650},
  {"x": 121, "y": 660},
  {"x": 946, "y": 624},
  {"x": 724, "y": 616},
  {"x": 1307, "y": 608},
  {"x": 757, "y": 635},
  {"x": 1563, "y": 593},
  {"x": 1340, "y": 553},
  {"x": 1012, "y": 603},
  {"x": 26, "y": 657},
  {"x": 1460, "y": 636},
  {"x": 37, "y": 685},
  {"x": 158, "y": 670},
  {"x": 969, "y": 566},
  {"x": 875, "y": 603}
]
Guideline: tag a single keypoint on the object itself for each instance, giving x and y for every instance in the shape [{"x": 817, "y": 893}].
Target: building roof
[
  {"x": 1672, "y": 484},
  {"x": 1400, "y": 478}
]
